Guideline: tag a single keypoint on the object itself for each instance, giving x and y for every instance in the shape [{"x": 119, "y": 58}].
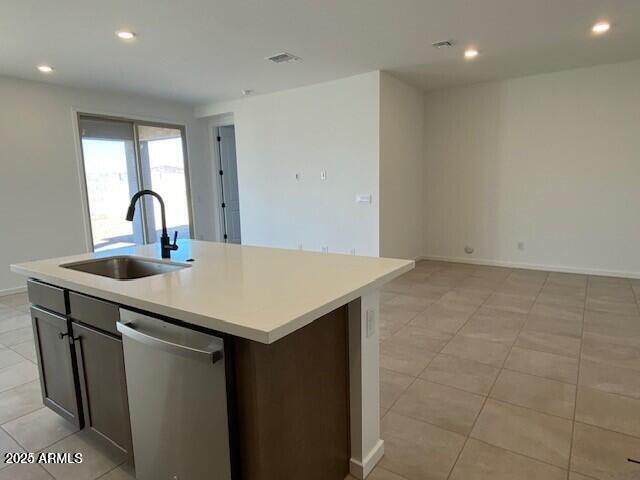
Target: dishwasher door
[{"x": 176, "y": 386}]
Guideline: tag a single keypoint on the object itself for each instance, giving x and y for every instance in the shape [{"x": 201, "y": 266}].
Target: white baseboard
[
  {"x": 361, "y": 470},
  {"x": 11, "y": 291},
  {"x": 532, "y": 266}
]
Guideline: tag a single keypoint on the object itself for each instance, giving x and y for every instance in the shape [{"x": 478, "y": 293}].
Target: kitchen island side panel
[{"x": 293, "y": 403}]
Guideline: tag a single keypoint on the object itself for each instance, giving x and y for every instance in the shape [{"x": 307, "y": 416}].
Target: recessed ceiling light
[
  {"x": 470, "y": 53},
  {"x": 601, "y": 27},
  {"x": 45, "y": 68},
  {"x": 125, "y": 35}
]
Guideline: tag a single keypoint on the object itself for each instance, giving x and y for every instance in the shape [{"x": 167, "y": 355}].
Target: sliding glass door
[
  {"x": 121, "y": 157},
  {"x": 163, "y": 170}
]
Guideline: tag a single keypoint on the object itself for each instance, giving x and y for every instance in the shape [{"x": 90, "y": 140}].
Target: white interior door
[{"x": 229, "y": 184}]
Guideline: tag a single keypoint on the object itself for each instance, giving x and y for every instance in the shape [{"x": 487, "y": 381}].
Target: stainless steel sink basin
[{"x": 125, "y": 267}]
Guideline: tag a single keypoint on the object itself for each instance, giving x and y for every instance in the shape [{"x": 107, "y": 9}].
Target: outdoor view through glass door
[{"x": 121, "y": 157}]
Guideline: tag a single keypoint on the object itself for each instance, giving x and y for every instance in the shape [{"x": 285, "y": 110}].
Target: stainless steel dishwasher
[{"x": 176, "y": 385}]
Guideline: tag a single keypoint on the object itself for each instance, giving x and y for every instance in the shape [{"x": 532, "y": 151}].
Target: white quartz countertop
[{"x": 256, "y": 293}]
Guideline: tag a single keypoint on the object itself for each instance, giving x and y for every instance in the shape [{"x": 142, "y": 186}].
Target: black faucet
[{"x": 165, "y": 243}]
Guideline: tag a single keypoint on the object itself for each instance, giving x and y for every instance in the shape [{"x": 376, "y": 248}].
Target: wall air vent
[
  {"x": 283, "y": 57},
  {"x": 443, "y": 44}
]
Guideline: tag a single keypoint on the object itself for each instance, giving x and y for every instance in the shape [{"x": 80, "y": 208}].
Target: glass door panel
[
  {"x": 122, "y": 157},
  {"x": 162, "y": 165},
  {"x": 111, "y": 179}
]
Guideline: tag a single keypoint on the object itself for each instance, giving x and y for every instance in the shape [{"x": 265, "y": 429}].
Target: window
[{"x": 121, "y": 157}]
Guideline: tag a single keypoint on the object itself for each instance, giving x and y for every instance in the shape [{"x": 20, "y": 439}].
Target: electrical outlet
[
  {"x": 325, "y": 249},
  {"x": 370, "y": 324},
  {"x": 323, "y": 175},
  {"x": 520, "y": 245},
  {"x": 468, "y": 250}
]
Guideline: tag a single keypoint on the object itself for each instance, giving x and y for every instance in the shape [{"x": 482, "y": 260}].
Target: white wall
[
  {"x": 332, "y": 126},
  {"x": 401, "y": 169},
  {"x": 41, "y": 210},
  {"x": 550, "y": 160}
]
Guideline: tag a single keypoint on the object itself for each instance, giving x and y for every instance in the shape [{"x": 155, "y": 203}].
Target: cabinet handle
[{"x": 71, "y": 339}]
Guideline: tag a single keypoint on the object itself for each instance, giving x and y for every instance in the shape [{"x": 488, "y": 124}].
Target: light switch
[
  {"x": 323, "y": 175},
  {"x": 363, "y": 198},
  {"x": 370, "y": 323}
]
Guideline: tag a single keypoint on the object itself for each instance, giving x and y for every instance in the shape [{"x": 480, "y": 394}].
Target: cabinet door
[
  {"x": 57, "y": 364},
  {"x": 103, "y": 385}
]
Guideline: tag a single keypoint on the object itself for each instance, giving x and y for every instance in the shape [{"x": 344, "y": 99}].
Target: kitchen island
[{"x": 301, "y": 348}]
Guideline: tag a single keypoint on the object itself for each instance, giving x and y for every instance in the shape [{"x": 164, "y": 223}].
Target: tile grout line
[
  {"x": 544, "y": 462},
  {"x": 23, "y": 447},
  {"x": 422, "y": 371},
  {"x": 546, "y": 279},
  {"x": 426, "y": 366},
  {"x": 475, "y": 439},
  {"x": 575, "y": 400},
  {"x": 427, "y": 380},
  {"x": 453, "y": 335},
  {"x": 475, "y": 420},
  {"x": 414, "y": 378},
  {"x": 451, "y": 288},
  {"x": 582, "y": 422},
  {"x": 110, "y": 471},
  {"x": 500, "y": 370},
  {"x": 40, "y": 449},
  {"x": 2, "y": 427},
  {"x": 507, "y": 402},
  {"x": 25, "y": 414},
  {"x": 496, "y": 289},
  {"x": 495, "y": 381},
  {"x": 22, "y": 355}
]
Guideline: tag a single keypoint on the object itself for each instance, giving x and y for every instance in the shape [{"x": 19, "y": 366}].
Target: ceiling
[{"x": 198, "y": 51}]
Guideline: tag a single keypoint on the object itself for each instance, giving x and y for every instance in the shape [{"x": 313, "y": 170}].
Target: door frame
[
  {"x": 134, "y": 120},
  {"x": 225, "y": 120}
]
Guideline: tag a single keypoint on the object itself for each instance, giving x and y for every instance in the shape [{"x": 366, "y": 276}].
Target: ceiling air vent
[
  {"x": 443, "y": 44},
  {"x": 283, "y": 57}
]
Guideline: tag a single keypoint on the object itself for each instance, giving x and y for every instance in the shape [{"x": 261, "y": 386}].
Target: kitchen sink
[{"x": 125, "y": 267}]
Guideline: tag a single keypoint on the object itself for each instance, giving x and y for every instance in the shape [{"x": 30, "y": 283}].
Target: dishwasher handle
[{"x": 129, "y": 330}]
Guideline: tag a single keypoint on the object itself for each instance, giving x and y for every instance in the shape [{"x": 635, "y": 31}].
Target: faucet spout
[{"x": 165, "y": 242}]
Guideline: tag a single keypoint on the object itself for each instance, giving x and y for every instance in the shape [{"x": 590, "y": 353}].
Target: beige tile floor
[
  {"x": 25, "y": 424},
  {"x": 494, "y": 373},
  {"x": 486, "y": 373}
]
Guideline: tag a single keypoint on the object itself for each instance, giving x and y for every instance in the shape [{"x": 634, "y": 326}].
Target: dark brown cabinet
[
  {"x": 103, "y": 385},
  {"x": 56, "y": 362},
  {"x": 81, "y": 362}
]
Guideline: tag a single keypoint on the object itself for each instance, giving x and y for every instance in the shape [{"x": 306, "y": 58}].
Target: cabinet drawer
[
  {"x": 97, "y": 313},
  {"x": 47, "y": 296}
]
